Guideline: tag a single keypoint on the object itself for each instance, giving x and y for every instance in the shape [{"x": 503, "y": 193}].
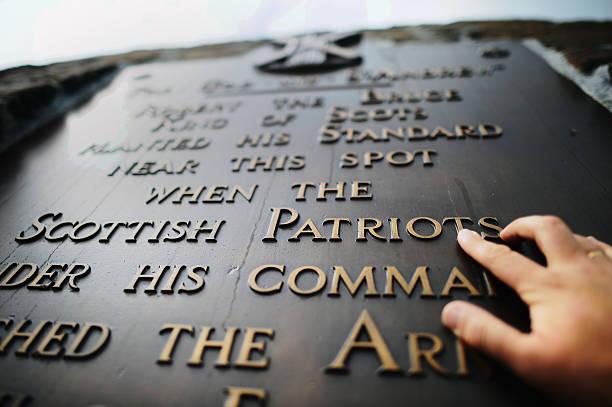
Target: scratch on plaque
[
  {"x": 121, "y": 372},
  {"x": 589, "y": 172},
  {"x": 450, "y": 196},
  {"x": 246, "y": 252},
  {"x": 9, "y": 255},
  {"x": 466, "y": 196},
  {"x": 9, "y": 298},
  {"x": 232, "y": 269},
  {"x": 331, "y": 164},
  {"x": 30, "y": 313}
]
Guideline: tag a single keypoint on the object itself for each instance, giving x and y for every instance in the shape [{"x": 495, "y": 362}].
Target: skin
[{"x": 568, "y": 352}]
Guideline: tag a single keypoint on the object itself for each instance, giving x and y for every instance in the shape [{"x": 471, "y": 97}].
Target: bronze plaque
[{"x": 280, "y": 228}]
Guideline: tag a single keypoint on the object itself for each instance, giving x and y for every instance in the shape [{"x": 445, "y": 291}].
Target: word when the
[{"x": 79, "y": 232}]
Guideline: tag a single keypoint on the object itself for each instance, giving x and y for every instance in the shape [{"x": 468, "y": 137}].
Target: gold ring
[{"x": 594, "y": 253}]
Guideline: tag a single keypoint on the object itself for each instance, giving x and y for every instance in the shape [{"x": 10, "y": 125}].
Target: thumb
[{"x": 482, "y": 330}]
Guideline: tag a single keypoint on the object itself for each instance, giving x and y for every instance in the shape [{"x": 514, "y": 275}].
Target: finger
[
  {"x": 550, "y": 233},
  {"x": 588, "y": 244},
  {"x": 482, "y": 330},
  {"x": 511, "y": 267},
  {"x": 606, "y": 247}
]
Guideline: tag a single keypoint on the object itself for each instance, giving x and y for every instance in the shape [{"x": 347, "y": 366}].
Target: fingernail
[
  {"x": 450, "y": 316},
  {"x": 465, "y": 235}
]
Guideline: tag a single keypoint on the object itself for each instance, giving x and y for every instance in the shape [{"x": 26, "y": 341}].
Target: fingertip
[
  {"x": 465, "y": 236},
  {"x": 451, "y": 314}
]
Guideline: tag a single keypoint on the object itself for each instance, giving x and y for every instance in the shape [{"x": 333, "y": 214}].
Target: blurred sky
[{"x": 44, "y": 31}]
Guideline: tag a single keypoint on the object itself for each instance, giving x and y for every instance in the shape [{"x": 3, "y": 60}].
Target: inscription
[
  {"x": 398, "y": 158},
  {"x": 421, "y": 227},
  {"x": 298, "y": 103},
  {"x": 377, "y": 96},
  {"x": 359, "y": 190},
  {"x": 182, "y": 144},
  {"x": 155, "y": 167},
  {"x": 51, "y": 276},
  {"x": 247, "y": 356},
  {"x": 90, "y": 339},
  {"x": 270, "y": 163},
  {"x": 418, "y": 354},
  {"x": 273, "y": 275},
  {"x": 78, "y": 231},
  {"x": 264, "y": 140},
  {"x": 196, "y": 281},
  {"x": 340, "y": 114},
  {"x": 415, "y": 133},
  {"x": 214, "y": 194}
]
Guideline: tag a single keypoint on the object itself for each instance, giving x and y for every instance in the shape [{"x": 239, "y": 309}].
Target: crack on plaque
[
  {"x": 9, "y": 298},
  {"x": 589, "y": 172},
  {"x": 30, "y": 312},
  {"x": 331, "y": 164},
  {"x": 246, "y": 253},
  {"x": 466, "y": 196},
  {"x": 10, "y": 254},
  {"x": 53, "y": 251}
]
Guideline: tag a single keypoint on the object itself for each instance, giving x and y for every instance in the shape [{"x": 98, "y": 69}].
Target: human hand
[{"x": 568, "y": 352}]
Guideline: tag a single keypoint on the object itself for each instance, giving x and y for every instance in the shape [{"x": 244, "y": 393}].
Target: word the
[
  {"x": 204, "y": 342},
  {"x": 359, "y": 190}
]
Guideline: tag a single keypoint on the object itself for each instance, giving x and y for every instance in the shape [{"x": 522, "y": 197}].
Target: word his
[
  {"x": 156, "y": 277},
  {"x": 79, "y": 232},
  {"x": 215, "y": 194},
  {"x": 276, "y": 163},
  {"x": 267, "y": 139},
  {"x": 456, "y": 281},
  {"x": 421, "y": 227},
  {"x": 153, "y": 167},
  {"x": 52, "y": 345},
  {"x": 204, "y": 342},
  {"x": 27, "y": 272}
]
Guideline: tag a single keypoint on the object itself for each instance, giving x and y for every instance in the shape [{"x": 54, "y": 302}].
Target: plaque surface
[{"x": 204, "y": 232}]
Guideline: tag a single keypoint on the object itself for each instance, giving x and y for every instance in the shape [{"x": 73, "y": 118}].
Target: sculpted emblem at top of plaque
[{"x": 313, "y": 53}]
